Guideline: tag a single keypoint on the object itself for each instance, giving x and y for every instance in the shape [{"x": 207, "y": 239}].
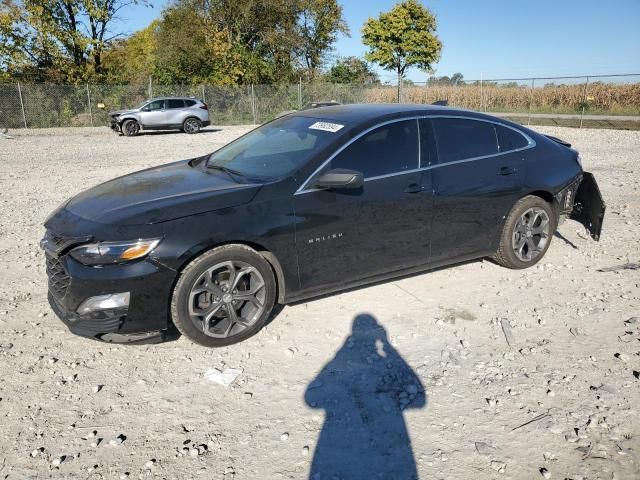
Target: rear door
[
  {"x": 176, "y": 112},
  {"x": 346, "y": 235},
  {"x": 477, "y": 179}
]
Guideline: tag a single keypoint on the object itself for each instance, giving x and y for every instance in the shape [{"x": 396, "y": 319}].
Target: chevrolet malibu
[{"x": 311, "y": 203}]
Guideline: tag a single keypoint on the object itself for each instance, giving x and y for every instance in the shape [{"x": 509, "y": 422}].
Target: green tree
[
  {"x": 262, "y": 34},
  {"x": 320, "y": 23},
  {"x": 193, "y": 49},
  {"x": 352, "y": 70},
  {"x": 457, "y": 78},
  {"x": 58, "y": 39},
  {"x": 401, "y": 38},
  {"x": 133, "y": 59}
]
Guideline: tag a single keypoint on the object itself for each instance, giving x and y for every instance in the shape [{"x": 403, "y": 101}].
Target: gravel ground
[{"x": 450, "y": 399}]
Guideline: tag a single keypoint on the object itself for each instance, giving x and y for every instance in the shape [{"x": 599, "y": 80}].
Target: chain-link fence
[{"x": 47, "y": 105}]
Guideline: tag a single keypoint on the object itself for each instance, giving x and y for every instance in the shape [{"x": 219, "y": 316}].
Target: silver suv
[{"x": 187, "y": 114}]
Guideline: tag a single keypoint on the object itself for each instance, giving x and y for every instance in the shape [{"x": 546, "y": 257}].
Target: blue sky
[{"x": 502, "y": 38}]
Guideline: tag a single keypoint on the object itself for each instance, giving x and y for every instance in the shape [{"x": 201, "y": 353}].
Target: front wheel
[
  {"x": 526, "y": 234},
  {"x": 130, "y": 128},
  {"x": 224, "y": 296}
]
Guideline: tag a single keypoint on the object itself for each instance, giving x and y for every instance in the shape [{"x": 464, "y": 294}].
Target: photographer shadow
[{"x": 364, "y": 391}]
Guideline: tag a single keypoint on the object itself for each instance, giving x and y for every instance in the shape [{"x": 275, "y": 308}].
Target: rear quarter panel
[{"x": 549, "y": 166}]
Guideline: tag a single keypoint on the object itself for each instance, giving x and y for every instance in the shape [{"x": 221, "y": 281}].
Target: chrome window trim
[{"x": 530, "y": 144}]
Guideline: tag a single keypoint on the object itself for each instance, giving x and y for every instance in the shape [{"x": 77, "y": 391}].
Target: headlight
[
  {"x": 579, "y": 160},
  {"x": 106, "y": 253}
]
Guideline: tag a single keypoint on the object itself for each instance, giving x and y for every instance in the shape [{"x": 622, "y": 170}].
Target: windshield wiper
[{"x": 228, "y": 171}]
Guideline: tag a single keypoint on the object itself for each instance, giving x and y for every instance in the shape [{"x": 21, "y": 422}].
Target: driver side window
[
  {"x": 155, "y": 105},
  {"x": 388, "y": 149}
]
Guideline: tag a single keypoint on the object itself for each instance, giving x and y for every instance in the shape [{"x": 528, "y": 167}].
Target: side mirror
[{"x": 339, "y": 178}]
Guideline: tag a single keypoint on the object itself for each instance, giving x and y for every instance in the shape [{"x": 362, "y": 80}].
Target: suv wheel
[
  {"x": 224, "y": 296},
  {"x": 191, "y": 125},
  {"x": 130, "y": 128},
  {"x": 527, "y": 233}
]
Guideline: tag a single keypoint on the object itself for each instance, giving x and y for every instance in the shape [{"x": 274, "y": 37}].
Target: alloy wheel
[
  {"x": 192, "y": 125},
  {"x": 227, "y": 299},
  {"x": 132, "y": 128},
  {"x": 531, "y": 234}
]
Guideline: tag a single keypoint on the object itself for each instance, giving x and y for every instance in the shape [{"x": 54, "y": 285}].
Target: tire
[
  {"x": 202, "y": 302},
  {"x": 527, "y": 233},
  {"x": 191, "y": 125},
  {"x": 130, "y": 128}
]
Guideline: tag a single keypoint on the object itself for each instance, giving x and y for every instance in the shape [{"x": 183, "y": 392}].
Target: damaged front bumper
[
  {"x": 582, "y": 201},
  {"x": 115, "y": 125}
]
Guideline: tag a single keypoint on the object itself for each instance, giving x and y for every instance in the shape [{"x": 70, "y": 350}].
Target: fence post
[
  {"x": 150, "y": 89},
  {"x": 253, "y": 105},
  {"x": 584, "y": 100},
  {"x": 203, "y": 97},
  {"x": 24, "y": 116},
  {"x": 90, "y": 109},
  {"x": 530, "y": 100},
  {"x": 300, "y": 93}
]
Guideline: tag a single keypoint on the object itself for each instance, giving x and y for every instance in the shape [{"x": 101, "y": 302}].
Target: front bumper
[
  {"x": 115, "y": 125},
  {"x": 146, "y": 319}
]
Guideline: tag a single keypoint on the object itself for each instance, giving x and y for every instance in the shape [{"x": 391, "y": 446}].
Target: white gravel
[{"x": 562, "y": 401}]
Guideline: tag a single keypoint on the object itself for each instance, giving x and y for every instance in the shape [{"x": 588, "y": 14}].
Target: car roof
[
  {"x": 174, "y": 98},
  {"x": 366, "y": 112}
]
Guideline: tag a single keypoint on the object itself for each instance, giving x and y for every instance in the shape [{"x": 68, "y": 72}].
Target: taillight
[{"x": 204, "y": 106}]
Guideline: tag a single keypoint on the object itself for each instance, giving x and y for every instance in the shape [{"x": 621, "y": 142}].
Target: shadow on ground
[
  {"x": 151, "y": 133},
  {"x": 364, "y": 390}
]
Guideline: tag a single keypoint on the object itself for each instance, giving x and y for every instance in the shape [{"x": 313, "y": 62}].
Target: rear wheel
[
  {"x": 224, "y": 296},
  {"x": 130, "y": 128},
  {"x": 191, "y": 125},
  {"x": 527, "y": 233}
]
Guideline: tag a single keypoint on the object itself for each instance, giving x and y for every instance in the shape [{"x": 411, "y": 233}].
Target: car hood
[
  {"x": 116, "y": 113},
  {"x": 161, "y": 193}
]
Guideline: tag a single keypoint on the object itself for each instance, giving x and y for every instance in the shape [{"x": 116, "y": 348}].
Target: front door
[
  {"x": 153, "y": 114},
  {"x": 476, "y": 181},
  {"x": 344, "y": 235}
]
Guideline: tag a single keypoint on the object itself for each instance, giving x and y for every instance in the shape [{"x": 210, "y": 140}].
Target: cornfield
[{"x": 603, "y": 98}]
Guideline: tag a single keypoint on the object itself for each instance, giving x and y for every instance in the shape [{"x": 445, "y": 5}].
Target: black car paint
[{"x": 318, "y": 242}]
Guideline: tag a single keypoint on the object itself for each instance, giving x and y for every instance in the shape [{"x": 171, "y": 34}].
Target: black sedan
[{"x": 311, "y": 203}]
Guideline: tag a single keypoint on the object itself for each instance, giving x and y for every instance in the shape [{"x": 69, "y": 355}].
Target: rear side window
[
  {"x": 175, "y": 103},
  {"x": 189, "y": 103},
  {"x": 509, "y": 139},
  {"x": 388, "y": 149},
  {"x": 462, "y": 138}
]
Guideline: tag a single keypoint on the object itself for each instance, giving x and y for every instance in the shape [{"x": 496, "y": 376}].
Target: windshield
[{"x": 277, "y": 148}]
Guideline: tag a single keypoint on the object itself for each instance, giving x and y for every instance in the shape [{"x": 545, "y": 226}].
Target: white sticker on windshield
[{"x": 326, "y": 126}]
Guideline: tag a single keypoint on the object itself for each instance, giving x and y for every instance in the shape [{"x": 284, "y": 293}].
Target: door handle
[
  {"x": 413, "y": 188},
  {"x": 504, "y": 171}
]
